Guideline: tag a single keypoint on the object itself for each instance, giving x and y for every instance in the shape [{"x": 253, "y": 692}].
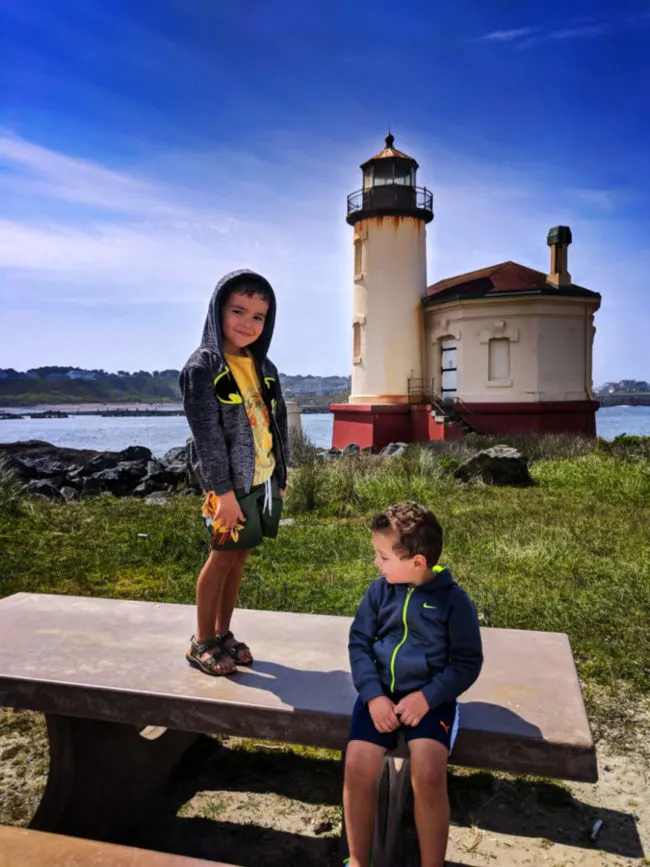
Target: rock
[
  {"x": 135, "y": 453},
  {"x": 351, "y": 449},
  {"x": 115, "y": 481},
  {"x": 43, "y": 488},
  {"x": 69, "y": 493},
  {"x": 131, "y": 472},
  {"x": 176, "y": 455},
  {"x": 154, "y": 466},
  {"x": 147, "y": 486},
  {"x": 499, "y": 465},
  {"x": 134, "y": 470},
  {"x": 103, "y": 461},
  {"x": 393, "y": 450},
  {"x": 158, "y": 498},
  {"x": 167, "y": 473},
  {"x": 35, "y": 459},
  {"x": 92, "y": 486},
  {"x": 369, "y": 450}
]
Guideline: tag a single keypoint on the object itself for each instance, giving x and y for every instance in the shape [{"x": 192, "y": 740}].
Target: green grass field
[{"x": 571, "y": 554}]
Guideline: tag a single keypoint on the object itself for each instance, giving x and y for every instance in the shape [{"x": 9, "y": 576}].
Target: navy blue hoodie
[{"x": 405, "y": 638}]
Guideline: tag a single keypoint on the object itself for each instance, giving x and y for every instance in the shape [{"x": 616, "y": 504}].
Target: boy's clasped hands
[{"x": 388, "y": 716}]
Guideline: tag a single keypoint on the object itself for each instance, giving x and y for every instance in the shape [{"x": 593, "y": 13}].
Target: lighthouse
[
  {"x": 504, "y": 349},
  {"x": 389, "y": 215}
]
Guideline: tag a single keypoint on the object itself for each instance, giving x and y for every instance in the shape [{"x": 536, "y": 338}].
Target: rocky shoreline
[
  {"x": 59, "y": 473},
  {"x": 66, "y": 474}
]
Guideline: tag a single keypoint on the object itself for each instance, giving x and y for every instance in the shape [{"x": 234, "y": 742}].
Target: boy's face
[
  {"x": 242, "y": 321},
  {"x": 396, "y": 568}
]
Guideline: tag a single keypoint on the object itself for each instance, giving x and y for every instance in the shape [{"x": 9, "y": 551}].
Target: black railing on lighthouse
[{"x": 391, "y": 196}]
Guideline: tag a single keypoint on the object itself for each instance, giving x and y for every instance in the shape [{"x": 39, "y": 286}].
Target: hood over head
[{"x": 212, "y": 332}]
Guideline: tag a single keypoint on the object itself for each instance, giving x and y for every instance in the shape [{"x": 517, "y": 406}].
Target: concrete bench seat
[
  {"x": 22, "y": 847},
  {"x": 101, "y": 668}
]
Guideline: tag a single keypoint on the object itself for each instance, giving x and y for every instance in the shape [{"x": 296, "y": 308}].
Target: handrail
[{"x": 391, "y": 195}]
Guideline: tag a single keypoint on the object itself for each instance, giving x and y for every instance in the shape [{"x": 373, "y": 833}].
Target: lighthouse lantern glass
[{"x": 404, "y": 174}]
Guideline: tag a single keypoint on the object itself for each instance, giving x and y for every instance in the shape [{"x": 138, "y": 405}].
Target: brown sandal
[
  {"x": 209, "y": 664},
  {"x": 236, "y": 649}
]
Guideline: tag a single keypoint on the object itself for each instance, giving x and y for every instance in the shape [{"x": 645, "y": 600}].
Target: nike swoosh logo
[{"x": 428, "y": 606}]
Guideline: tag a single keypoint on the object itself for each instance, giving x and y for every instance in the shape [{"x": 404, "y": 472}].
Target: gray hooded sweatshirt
[{"x": 222, "y": 450}]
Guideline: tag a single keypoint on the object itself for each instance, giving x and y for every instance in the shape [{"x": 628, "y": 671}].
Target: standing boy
[
  {"x": 239, "y": 452},
  {"x": 415, "y": 646}
]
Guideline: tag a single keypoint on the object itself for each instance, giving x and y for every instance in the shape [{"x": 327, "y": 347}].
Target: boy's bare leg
[
  {"x": 228, "y": 600},
  {"x": 363, "y": 765},
  {"x": 430, "y": 799},
  {"x": 209, "y": 588}
]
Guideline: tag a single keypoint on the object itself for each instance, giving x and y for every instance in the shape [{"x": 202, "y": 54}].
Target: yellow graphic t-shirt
[{"x": 243, "y": 369}]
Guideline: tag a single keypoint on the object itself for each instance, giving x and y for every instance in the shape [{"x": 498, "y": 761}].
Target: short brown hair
[
  {"x": 249, "y": 288},
  {"x": 417, "y": 529}
]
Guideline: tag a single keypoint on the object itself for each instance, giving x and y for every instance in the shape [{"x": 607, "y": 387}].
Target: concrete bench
[
  {"x": 101, "y": 668},
  {"x": 22, "y": 847}
]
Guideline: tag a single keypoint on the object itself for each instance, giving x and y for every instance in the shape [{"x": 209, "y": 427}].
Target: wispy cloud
[
  {"x": 587, "y": 31},
  {"x": 523, "y": 37},
  {"x": 113, "y": 267},
  {"x": 507, "y": 35}
]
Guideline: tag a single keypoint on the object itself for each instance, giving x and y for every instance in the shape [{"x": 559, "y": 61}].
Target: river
[{"x": 160, "y": 433}]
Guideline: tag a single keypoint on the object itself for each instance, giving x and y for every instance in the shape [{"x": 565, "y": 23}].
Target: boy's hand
[
  {"x": 228, "y": 511},
  {"x": 382, "y": 711},
  {"x": 412, "y": 708}
]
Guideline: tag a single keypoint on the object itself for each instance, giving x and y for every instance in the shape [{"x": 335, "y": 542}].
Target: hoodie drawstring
[{"x": 268, "y": 497}]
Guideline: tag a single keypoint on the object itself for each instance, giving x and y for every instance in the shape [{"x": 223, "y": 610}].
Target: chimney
[{"x": 558, "y": 240}]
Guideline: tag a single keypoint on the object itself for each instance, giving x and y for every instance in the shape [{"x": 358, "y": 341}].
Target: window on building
[
  {"x": 499, "y": 359},
  {"x": 356, "y": 340},
  {"x": 358, "y": 257}
]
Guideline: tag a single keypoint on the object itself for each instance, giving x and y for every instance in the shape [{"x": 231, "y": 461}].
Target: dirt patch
[{"x": 255, "y": 804}]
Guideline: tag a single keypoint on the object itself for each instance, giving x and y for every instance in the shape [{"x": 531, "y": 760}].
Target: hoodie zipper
[{"x": 404, "y": 637}]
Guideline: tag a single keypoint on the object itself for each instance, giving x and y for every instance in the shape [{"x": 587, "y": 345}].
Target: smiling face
[
  {"x": 242, "y": 321},
  {"x": 394, "y": 565}
]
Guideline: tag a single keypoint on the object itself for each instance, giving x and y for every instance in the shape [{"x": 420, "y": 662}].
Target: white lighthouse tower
[{"x": 389, "y": 215}]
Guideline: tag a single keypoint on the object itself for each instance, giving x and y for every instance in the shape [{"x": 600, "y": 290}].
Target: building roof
[
  {"x": 507, "y": 278},
  {"x": 389, "y": 151}
]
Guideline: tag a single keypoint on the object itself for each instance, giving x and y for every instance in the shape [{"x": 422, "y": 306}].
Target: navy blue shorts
[{"x": 438, "y": 724}]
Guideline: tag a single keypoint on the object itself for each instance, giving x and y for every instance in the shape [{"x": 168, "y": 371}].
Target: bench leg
[
  {"x": 102, "y": 774},
  {"x": 393, "y": 789}
]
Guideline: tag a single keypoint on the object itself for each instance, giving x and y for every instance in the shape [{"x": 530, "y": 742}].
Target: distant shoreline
[
  {"x": 113, "y": 410},
  {"x": 168, "y": 408}
]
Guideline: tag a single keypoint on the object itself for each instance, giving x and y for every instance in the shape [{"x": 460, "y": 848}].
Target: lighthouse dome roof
[{"x": 390, "y": 152}]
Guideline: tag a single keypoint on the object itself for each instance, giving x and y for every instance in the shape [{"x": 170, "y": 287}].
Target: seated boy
[{"x": 415, "y": 646}]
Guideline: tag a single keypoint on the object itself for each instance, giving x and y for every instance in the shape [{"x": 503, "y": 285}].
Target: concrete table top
[
  {"x": 123, "y": 661},
  {"x": 20, "y": 847}
]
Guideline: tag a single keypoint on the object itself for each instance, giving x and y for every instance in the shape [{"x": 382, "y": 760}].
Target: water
[{"x": 160, "y": 433}]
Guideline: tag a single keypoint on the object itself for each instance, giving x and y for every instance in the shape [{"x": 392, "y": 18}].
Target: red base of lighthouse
[
  {"x": 542, "y": 417},
  {"x": 380, "y": 424}
]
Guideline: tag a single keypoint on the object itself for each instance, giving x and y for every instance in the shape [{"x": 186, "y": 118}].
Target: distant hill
[{"x": 67, "y": 385}]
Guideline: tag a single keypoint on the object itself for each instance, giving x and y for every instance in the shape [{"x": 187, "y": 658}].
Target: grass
[{"x": 570, "y": 554}]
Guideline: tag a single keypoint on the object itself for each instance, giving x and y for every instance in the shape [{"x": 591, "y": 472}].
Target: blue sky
[{"x": 148, "y": 147}]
